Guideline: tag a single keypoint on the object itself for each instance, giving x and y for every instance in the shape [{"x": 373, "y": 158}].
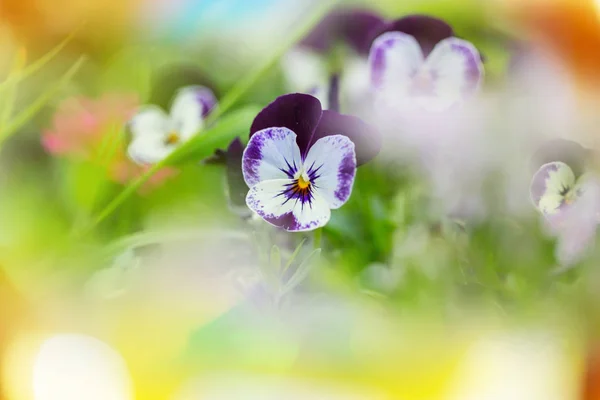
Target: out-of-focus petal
[
  {"x": 566, "y": 151},
  {"x": 394, "y": 60},
  {"x": 331, "y": 166},
  {"x": 299, "y": 113},
  {"x": 550, "y": 185},
  {"x": 366, "y": 138},
  {"x": 456, "y": 69},
  {"x": 149, "y": 120},
  {"x": 149, "y": 149},
  {"x": 188, "y": 110},
  {"x": 428, "y": 31},
  {"x": 271, "y": 154},
  {"x": 353, "y": 27}
]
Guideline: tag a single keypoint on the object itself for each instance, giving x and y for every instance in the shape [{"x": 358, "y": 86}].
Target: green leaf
[
  {"x": 237, "y": 123},
  {"x": 24, "y": 116},
  {"x": 293, "y": 256},
  {"x": 302, "y": 271}
]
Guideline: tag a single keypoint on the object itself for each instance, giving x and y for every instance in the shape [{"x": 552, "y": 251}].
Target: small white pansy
[{"x": 156, "y": 134}]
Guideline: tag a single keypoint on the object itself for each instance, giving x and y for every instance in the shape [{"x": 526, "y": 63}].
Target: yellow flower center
[
  {"x": 302, "y": 183},
  {"x": 172, "y": 138}
]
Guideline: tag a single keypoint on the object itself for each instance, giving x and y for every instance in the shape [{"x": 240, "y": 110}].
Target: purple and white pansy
[
  {"x": 554, "y": 187},
  {"x": 156, "y": 134},
  {"x": 418, "y": 62},
  {"x": 571, "y": 207},
  {"x": 301, "y": 161}
]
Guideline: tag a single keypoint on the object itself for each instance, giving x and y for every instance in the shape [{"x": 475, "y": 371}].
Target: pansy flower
[
  {"x": 570, "y": 205},
  {"x": 156, "y": 134},
  {"x": 418, "y": 61},
  {"x": 301, "y": 161},
  {"x": 331, "y": 61}
]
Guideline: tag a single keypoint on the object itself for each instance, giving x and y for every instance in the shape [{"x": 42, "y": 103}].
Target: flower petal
[
  {"x": 297, "y": 112},
  {"x": 149, "y": 149},
  {"x": 353, "y": 27},
  {"x": 366, "y": 138},
  {"x": 394, "y": 59},
  {"x": 149, "y": 120},
  {"x": 428, "y": 31},
  {"x": 549, "y": 186},
  {"x": 567, "y": 151},
  {"x": 266, "y": 200},
  {"x": 331, "y": 167},
  {"x": 271, "y": 154},
  {"x": 269, "y": 200},
  {"x": 456, "y": 68},
  {"x": 190, "y": 106}
]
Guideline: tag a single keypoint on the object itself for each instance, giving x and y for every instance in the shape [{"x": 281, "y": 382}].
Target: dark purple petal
[
  {"x": 566, "y": 151},
  {"x": 299, "y": 113},
  {"x": 366, "y": 138},
  {"x": 428, "y": 31},
  {"x": 352, "y": 27}
]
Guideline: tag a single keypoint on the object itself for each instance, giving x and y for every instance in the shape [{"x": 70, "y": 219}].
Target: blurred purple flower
[
  {"x": 417, "y": 62},
  {"x": 311, "y": 66},
  {"x": 571, "y": 207},
  {"x": 301, "y": 161}
]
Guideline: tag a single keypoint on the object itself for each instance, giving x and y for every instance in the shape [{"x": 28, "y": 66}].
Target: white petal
[
  {"x": 149, "y": 120},
  {"x": 457, "y": 71},
  {"x": 394, "y": 59},
  {"x": 331, "y": 167},
  {"x": 266, "y": 200},
  {"x": 304, "y": 70},
  {"x": 149, "y": 149},
  {"x": 186, "y": 113},
  {"x": 271, "y": 154},
  {"x": 310, "y": 216}
]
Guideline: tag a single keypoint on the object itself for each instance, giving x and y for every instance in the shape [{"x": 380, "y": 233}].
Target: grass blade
[
  {"x": 22, "y": 118},
  {"x": 37, "y": 65}
]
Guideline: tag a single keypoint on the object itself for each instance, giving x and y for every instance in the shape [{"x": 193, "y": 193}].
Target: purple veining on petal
[
  {"x": 473, "y": 67},
  {"x": 428, "y": 31},
  {"x": 378, "y": 61},
  {"x": 346, "y": 174},
  {"x": 538, "y": 184}
]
